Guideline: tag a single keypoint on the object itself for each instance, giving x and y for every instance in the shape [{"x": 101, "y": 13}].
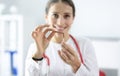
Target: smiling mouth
[{"x": 61, "y": 29}]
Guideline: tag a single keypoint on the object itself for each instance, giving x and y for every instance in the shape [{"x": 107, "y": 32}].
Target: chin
[{"x": 59, "y": 35}]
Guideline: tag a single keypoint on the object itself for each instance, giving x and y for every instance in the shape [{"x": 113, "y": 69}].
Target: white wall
[
  {"x": 99, "y": 18},
  {"x": 107, "y": 52}
]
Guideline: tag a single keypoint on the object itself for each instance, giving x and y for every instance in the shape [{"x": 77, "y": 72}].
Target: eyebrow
[
  {"x": 67, "y": 13},
  {"x": 64, "y": 13}
]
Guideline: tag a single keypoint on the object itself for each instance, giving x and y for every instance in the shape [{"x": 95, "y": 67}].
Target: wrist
[
  {"x": 76, "y": 67},
  {"x": 37, "y": 55}
]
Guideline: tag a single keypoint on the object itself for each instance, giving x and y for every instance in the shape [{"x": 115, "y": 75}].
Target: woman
[{"x": 54, "y": 52}]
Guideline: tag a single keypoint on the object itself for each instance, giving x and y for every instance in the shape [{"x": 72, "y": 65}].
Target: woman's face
[{"x": 60, "y": 17}]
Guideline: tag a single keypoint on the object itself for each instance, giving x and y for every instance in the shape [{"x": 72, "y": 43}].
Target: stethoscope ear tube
[
  {"x": 48, "y": 60},
  {"x": 78, "y": 48},
  {"x": 48, "y": 63}
]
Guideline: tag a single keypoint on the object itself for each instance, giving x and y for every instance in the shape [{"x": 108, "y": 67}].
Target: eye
[
  {"x": 66, "y": 16},
  {"x": 55, "y": 15}
]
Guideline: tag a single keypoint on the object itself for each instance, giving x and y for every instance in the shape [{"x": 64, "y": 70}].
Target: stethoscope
[{"x": 78, "y": 50}]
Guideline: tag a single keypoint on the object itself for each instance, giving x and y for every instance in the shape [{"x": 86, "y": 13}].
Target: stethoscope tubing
[{"x": 78, "y": 49}]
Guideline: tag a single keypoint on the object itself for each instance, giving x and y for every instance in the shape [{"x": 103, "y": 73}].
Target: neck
[{"x": 59, "y": 38}]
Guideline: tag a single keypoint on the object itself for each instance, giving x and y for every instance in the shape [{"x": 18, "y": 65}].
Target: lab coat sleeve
[
  {"x": 89, "y": 67},
  {"x": 33, "y": 68}
]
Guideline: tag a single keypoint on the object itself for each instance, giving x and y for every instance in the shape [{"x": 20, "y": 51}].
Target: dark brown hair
[{"x": 69, "y": 2}]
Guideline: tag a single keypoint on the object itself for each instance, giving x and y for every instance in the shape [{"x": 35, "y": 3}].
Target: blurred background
[{"x": 98, "y": 20}]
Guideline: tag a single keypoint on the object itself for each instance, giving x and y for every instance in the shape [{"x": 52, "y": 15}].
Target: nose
[{"x": 60, "y": 21}]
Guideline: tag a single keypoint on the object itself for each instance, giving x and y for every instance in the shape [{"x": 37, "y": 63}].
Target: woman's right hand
[{"x": 41, "y": 40}]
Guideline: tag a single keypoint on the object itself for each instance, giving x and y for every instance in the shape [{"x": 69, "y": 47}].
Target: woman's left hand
[{"x": 69, "y": 56}]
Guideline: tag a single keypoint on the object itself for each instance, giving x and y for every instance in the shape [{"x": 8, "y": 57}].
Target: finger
[
  {"x": 49, "y": 29},
  {"x": 68, "y": 54},
  {"x": 50, "y": 36},
  {"x": 34, "y": 34},
  {"x": 68, "y": 48},
  {"x": 49, "y": 33},
  {"x": 62, "y": 56},
  {"x": 40, "y": 28}
]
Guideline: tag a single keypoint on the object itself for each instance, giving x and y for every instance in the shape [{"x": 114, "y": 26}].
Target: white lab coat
[{"x": 57, "y": 66}]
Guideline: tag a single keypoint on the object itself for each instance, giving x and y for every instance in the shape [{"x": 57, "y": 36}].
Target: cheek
[
  {"x": 51, "y": 21},
  {"x": 69, "y": 23}
]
